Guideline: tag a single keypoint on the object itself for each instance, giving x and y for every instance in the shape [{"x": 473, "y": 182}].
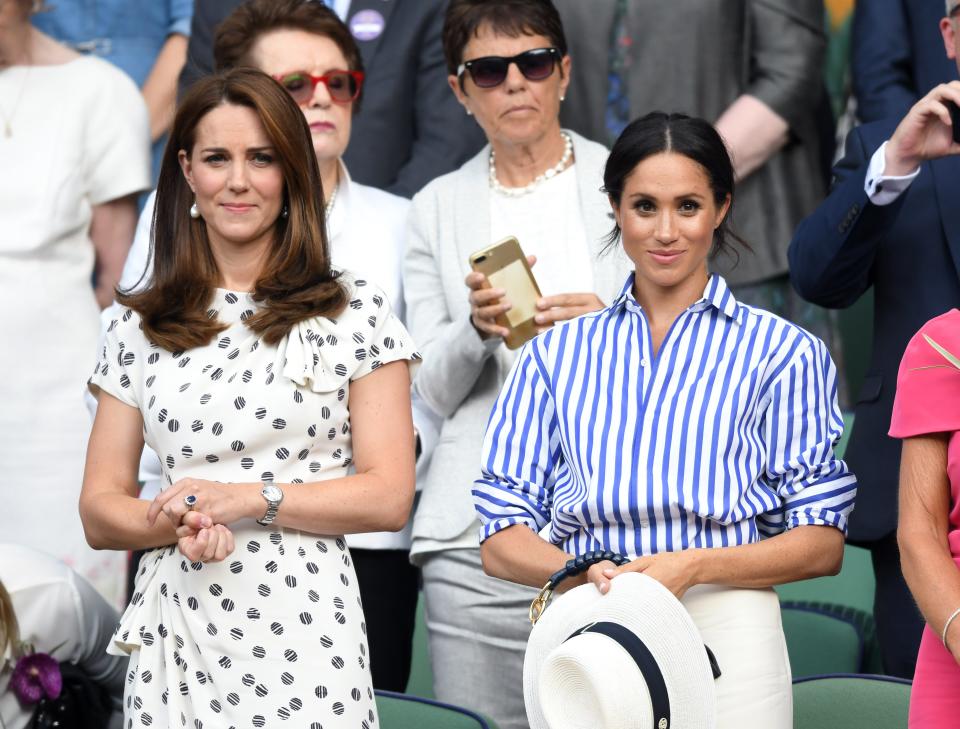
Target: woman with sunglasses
[
  {"x": 312, "y": 54},
  {"x": 535, "y": 181}
]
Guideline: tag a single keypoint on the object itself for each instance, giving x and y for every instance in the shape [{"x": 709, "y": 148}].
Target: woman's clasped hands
[
  {"x": 202, "y": 534},
  {"x": 674, "y": 570}
]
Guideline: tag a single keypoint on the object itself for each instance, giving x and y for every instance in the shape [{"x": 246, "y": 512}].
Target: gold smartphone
[{"x": 506, "y": 267}]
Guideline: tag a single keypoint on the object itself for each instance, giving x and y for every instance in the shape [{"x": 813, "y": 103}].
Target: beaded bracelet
[
  {"x": 571, "y": 568},
  {"x": 946, "y": 627}
]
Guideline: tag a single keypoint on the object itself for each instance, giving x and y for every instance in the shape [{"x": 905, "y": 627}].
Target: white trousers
[{"x": 742, "y": 627}]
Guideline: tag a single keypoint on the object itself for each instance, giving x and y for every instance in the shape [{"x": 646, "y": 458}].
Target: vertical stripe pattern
[{"x": 724, "y": 436}]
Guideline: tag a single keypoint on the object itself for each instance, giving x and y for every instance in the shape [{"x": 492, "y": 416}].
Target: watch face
[{"x": 272, "y": 493}]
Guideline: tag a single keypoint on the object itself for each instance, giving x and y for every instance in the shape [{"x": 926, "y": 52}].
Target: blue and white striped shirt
[{"x": 725, "y": 435}]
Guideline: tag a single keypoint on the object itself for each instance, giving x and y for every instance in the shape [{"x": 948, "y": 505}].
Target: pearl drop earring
[{"x": 194, "y": 210}]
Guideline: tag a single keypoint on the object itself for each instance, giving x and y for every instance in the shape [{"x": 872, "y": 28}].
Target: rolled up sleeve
[
  {"x": 520, "y": 452},
  {"x": 787, "y": 57},
  {"x": 181, "y": 13},
  {"x": 803, "y": 424}
]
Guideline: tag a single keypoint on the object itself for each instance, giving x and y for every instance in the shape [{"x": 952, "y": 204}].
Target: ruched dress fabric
[
  {"x": 928, "y": 401},
  {"x": 274, "y": 635}
]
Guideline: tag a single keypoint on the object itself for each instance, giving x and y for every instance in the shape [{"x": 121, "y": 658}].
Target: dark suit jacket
[
  {"x": 697, "y": 57},
  {"x": 896, "y": 55},
  {"x": 909, "y": 251},
  {"x": 410, "y": 128}
]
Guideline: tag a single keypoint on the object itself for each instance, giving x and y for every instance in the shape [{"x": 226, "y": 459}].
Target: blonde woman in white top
[{"x": 74, "y": 152}]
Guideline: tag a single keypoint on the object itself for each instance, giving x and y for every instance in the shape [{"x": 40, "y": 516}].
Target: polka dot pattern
[{"x": 248, "y": 642}]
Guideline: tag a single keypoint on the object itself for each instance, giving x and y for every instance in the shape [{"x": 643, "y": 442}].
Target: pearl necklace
[
  {"x": 527, "y": 189},
  {"x": 328, "y": 208}
]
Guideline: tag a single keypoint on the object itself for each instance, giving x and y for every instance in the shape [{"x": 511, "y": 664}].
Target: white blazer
[{"x": 461, "y": 375}]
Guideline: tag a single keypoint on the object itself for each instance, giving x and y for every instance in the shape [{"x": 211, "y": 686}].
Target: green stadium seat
[
  {"x": 401, "y": 711},
  {"x": 851, "y": 701},
  {"x": 421, "y": 674},
  {"x": 821, "y": 642}
]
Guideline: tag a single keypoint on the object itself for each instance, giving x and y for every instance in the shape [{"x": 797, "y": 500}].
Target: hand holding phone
[
  {"x": 504, "y": 293},
  {"x": 954, "y": 119}
]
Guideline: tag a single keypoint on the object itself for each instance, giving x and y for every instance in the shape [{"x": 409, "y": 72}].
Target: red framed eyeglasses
[{"x": 343, "y": 86}]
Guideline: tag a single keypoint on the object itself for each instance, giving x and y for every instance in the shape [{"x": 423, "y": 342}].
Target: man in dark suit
[
  {"x": 891, "y": 221},
  {"x": 895, "y": 55},
  {"x": 410, "y": 128}
]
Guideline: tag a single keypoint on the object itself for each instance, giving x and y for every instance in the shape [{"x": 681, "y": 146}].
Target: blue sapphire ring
[{"x": 190, "y": 500}]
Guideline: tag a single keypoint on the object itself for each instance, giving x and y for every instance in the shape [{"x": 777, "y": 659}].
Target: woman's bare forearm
[
  {"x": 519, "y": 555},
  {"x": 925, "y": 558},
  {"x": 118, "y": 521},
  {"x": 798, "y": 554}
]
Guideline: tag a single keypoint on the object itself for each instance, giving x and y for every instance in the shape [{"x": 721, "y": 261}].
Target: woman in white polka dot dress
[{"x": 259, "y": 375}]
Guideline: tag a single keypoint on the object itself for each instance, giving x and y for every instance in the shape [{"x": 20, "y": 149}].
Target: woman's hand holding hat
[
  {"x": 597, "y": 575},
  {"x": 674, "y": 570}
]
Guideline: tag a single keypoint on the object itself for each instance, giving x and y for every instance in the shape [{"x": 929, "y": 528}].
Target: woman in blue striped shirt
[{"x": 678, "y": 427}]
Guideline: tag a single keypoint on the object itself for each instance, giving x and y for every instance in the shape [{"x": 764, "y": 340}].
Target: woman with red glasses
[
  {"x": 306, "y": 48},
  {"x": 535, "y": 181}
]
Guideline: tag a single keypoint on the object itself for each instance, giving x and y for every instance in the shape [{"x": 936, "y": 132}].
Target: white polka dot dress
[{"x": 274, "y": 635}]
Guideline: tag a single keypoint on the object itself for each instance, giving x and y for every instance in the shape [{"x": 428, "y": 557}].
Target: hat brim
[{"x": 651, "y": 612}]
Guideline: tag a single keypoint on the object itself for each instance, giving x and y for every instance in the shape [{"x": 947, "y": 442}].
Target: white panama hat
[{"x": 630, "y": 659}]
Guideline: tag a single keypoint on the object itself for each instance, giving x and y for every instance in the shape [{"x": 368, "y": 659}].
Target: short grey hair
[{"x": 951, "y": 4}]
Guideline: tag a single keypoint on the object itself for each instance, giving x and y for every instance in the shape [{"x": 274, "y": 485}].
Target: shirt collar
[{"x": 716, "y": 295}]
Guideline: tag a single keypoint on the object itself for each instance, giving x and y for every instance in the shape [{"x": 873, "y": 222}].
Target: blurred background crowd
[{"x": 85, "y": 107}]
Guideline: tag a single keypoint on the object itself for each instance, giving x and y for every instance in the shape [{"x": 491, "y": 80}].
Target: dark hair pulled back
[
  {"x": 511, "y": 18},
  {"x": 695, "y": 139}
]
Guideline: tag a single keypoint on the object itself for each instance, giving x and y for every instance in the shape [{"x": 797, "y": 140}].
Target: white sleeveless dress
[{"x": 273, "y": 635}]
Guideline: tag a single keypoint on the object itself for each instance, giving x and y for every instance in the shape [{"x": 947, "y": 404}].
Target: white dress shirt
[{"x": 884, "y": 189}]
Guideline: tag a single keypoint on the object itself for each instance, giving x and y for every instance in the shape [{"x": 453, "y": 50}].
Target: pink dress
[{"x": 928, "y": 401}]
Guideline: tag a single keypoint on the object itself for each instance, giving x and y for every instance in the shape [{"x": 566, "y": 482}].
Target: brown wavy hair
[
  {"x": 238, "y": 32},
  {"x": 296, "y": 283}
]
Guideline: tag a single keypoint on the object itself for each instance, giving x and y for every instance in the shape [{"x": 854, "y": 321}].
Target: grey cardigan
[{"x": 461, "y": 375}]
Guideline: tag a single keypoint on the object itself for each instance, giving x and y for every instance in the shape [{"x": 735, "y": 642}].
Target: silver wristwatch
[{"x": 273, "y": 495}]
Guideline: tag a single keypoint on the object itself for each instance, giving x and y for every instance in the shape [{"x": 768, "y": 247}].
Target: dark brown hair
[
  {"x": 697, "y": 140},
  {"x": 239, "y": 31},
  {"x": 511, "y": 18},
  {"x": 296, "y": 283}
]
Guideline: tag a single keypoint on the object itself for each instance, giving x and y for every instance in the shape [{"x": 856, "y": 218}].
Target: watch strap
[
  {"x": 572, "y": 568},
  {"x": 272, "y": 508}
]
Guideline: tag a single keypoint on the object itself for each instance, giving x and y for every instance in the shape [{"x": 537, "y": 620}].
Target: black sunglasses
[{"x": 490, "y": 71}]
